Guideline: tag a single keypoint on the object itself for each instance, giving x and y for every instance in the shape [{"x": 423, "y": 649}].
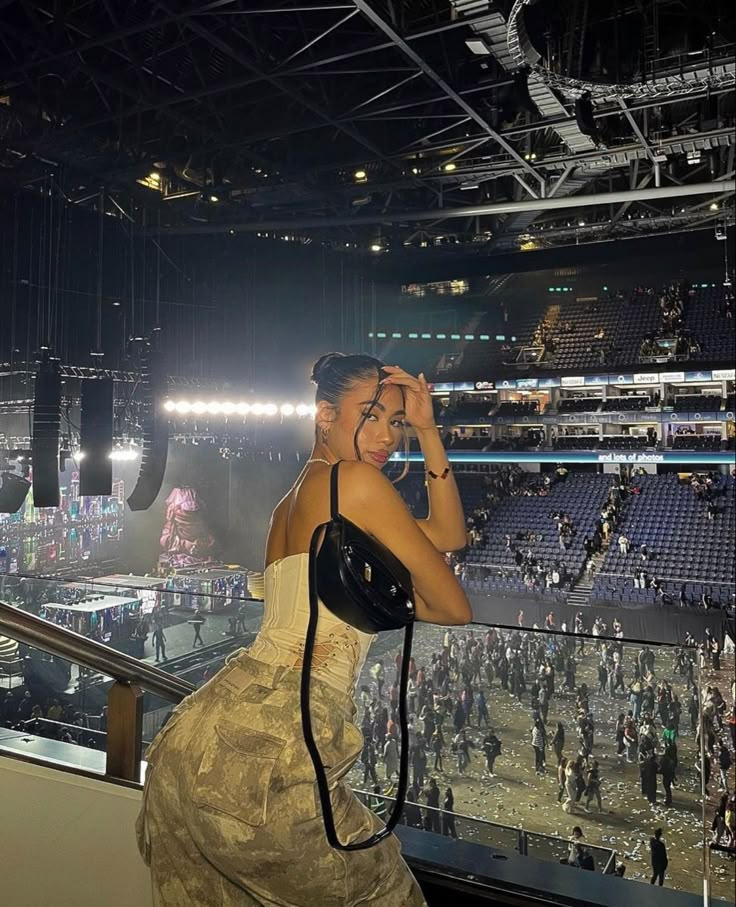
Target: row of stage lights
[
  {"x": 414, "y": 335},
  {"x": 228, "y": 408},
  {"x": 120, "y": 454}
]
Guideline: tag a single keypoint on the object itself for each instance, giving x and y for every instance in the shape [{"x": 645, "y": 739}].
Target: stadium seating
[
  {"x": 697, "y": 403},
  {"x": 686, "y": 546},
  {"x": 581, "y": 496},
  {"x": 512, "y": 408},
  {"x": 625, "y": 318},
  {"x": 580, "y": 405},
  {"x": 628, "y": 403}
]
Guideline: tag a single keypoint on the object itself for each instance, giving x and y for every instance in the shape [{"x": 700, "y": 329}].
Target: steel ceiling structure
[{"x": 366, "y": 122}]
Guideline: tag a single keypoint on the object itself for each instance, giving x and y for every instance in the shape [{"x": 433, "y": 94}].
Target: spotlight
[
  {"x": 214, "y": 198},
  {"x": 242, "y": 409},
  {"x": 376, "y": 247},
  {"x": 302, "y": 409},
  {"x": 183, "y": 407},
  {"x": 448, "y": 168},
  {"x": 415, "y": 170},
  {"x": 270, "y": 409},
  {"x": 360, "y": 176},
  {"x": 228, "y": 408},
  {"x": 169, "y": 406},
  {"x": 287, "y": 409},
  {"x": 199, "y": 408},
  {"x": 214, "y": 408},
  {"x": 714, "y": 206},
  {"x": 257, "y": 409}
]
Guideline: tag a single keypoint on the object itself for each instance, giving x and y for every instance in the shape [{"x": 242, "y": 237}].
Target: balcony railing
[{"x": 124, "y": 737}]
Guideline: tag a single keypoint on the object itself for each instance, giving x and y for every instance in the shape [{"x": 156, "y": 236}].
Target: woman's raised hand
[{"x": 419, "y": 411}]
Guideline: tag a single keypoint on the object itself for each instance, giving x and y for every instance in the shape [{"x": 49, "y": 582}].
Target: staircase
[{"x": 579, "y": 595}]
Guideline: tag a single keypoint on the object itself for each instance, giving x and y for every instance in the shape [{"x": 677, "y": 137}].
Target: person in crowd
[
  {"x": 659, "y": 859},
  {"x": 159, "y": 640},
  {"x": 558, "y": 741},
  {"x": 491, "y": 748},
  {"x": 432, "y": 815},
  {"x": 197, "y": 621},
  {"x": 593, "y": 786},
  {"x": 448, "y": 815},
  {"x": 539, "y": 741},
  {"x": 724, "y": 766}
]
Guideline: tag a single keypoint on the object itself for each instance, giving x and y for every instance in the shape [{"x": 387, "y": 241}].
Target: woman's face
[{"x": 382, "y": 429}]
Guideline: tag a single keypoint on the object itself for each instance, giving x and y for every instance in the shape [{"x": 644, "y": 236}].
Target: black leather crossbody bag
[{"x": 363, "y": 584}]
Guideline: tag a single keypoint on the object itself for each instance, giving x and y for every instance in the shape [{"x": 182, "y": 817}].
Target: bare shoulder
[
  {"x": 277, "y": 529},
  {"x": 366, "y": 486}
]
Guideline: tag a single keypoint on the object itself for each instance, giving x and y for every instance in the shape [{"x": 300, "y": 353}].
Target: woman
[
  {"x": 231, "y": 812},
  {"x": 448, "y": 815},
  {"x": 558, "y": 741},
  {"x": 539, "y": 741}
]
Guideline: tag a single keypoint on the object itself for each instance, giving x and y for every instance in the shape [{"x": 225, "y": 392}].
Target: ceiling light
[
  {"x": 360, "y": 176},
  {"x": 450, "y": 167},
  {"x": 376, "y": 247},
  {"x": 581, "y": 223},
  {"x": 714, "y": 206},
  {"x": 469, "y": 186},
  {"x": 214, "y": 198},
  {"x": 415, "y": 170},
  {"x": 478, "y": 46}
]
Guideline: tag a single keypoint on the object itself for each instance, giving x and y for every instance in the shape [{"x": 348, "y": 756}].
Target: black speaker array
[
  {"x": 155, "y": 434},
  {"x": 13, "y": 491},
  {"x": 584, "y": 115},
  {"x": 95, "y": 436},
  {"x": 45, "y": 437}
]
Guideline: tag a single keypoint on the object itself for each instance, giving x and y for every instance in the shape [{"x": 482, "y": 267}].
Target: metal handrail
[{"x": 55, "y": 640}]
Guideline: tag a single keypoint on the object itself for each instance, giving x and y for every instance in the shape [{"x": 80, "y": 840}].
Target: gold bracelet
[{"x": 434, "y": 475}]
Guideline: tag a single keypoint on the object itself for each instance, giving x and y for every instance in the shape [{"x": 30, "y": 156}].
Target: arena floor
[{"x": 518, "y": 797}]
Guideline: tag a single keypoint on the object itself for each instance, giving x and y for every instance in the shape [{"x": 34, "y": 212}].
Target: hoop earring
[{"x": 324, "y": 433}]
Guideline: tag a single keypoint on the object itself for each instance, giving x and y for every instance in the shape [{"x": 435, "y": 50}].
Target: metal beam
[
  {"x": 509, "y": 207},
  {"x": 117, "y": 35},
  {"x": 431, "y": 74},
  {"x": 273, "y": 80}
]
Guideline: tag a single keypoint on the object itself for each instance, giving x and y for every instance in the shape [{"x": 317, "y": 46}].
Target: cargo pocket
[{"x": 235, "y": 773}]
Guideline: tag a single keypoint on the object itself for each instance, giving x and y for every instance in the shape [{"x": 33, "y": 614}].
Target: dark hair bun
[{"x": 323, "y": 365}]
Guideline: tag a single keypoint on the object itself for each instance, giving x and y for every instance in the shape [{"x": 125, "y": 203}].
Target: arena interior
[{"x": 530, "y": 203}]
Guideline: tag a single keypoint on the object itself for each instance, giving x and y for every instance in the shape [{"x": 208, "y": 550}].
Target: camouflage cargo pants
[{"x": 231, "y": 813}]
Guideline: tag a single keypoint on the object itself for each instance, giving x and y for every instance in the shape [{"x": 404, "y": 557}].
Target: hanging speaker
[
  {"x": 584, "y": 115},
  {"x": 95, "y": 436},
  {"x": 13, "y": 491},
  {"x": 45, "y": 437},
  {"x": 155, "y": 433}
]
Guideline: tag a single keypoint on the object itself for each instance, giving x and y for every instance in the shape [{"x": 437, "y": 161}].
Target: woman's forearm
[{"x": 445, "y": 525}]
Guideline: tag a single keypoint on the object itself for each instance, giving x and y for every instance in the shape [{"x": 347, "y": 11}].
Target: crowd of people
[{"x": 451, "y": 722}]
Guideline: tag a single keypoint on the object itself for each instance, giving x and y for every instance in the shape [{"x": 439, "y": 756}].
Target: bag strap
[
  {"x": 334, "y": 502},
  {"x": 322, "y": 785}
]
